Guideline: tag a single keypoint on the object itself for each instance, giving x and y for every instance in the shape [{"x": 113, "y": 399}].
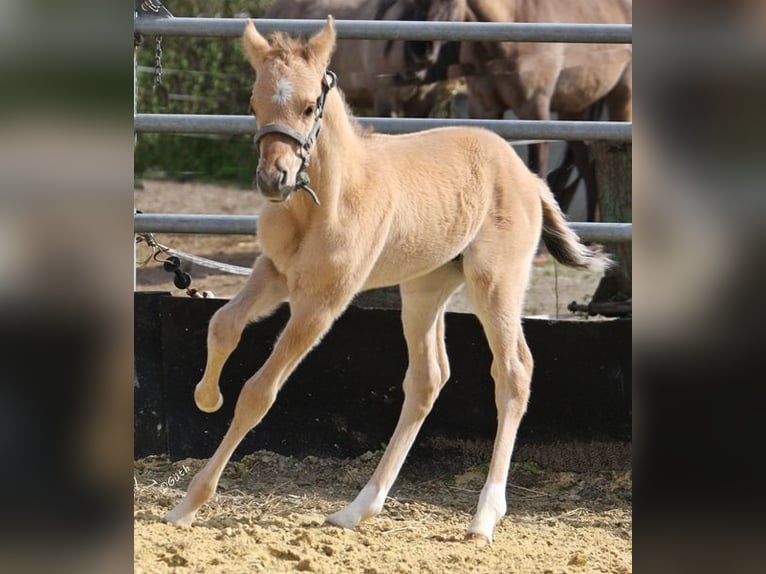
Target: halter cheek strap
[{"x": 329, "y": 81}]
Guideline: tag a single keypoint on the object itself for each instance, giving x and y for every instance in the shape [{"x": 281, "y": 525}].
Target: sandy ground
[
  {"x": 569, "y": 512},
  {"x": 569, "y": 505}
]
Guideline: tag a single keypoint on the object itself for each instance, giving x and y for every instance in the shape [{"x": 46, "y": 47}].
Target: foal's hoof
[
  {"x": 478, "y": 539},
  {"x": 175, "y": 517},
  {"x": 203, "y": 406},
  {"x": 339, "y": 521}
]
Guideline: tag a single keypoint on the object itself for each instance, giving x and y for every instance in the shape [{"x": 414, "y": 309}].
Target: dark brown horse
[{"x": 387, "y": 77}]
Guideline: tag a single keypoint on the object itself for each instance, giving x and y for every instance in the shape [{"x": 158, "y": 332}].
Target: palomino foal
[{"x": 428, "y": 211}]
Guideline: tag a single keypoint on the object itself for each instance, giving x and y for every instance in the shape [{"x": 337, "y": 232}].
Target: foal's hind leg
[
  {"x": 496, "y": 291},
  {"x": 310, "y": 318},
  {"x": 264, "y": 290},
  {"x": 423, "y": 303}
]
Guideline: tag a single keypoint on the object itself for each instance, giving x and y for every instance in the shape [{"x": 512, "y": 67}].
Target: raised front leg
[
  {"x": 309, "y": 320},
  {"x": 264, "y": 290}
]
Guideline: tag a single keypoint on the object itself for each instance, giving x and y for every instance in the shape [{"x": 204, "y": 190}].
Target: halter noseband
[{"x": 302, "y": 181}]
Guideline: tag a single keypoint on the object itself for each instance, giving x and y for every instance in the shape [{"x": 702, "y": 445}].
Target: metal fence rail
[
  {"x": 396, "y": 30},
  {"x": 509, "y": 129},
  {"x": 248, "y": 225}
]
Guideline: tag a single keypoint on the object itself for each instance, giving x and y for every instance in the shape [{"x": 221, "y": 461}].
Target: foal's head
[{"x": 287, "y": 99}]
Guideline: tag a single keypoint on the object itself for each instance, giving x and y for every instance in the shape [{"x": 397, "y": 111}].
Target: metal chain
[
  {"x": 148, "y": 6},
  {"x": 157, "y": 62},
  {"x": 154, "y": 9}
]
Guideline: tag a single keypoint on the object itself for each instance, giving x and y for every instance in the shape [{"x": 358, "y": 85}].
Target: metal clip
[
  {"x": 153, "y": 8},
  {"x": 302, "y": 181}
]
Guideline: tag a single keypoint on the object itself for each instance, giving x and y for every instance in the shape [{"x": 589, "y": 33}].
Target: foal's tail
[{"x": 562, "y": 243}]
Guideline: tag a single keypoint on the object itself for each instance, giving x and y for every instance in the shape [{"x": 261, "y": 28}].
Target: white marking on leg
[
  {"x": 368, "y": 503},
  {"x": 180, "y": 516},
  {"x": 491, "y": 509},
  {"x": 283, "y": 92}
]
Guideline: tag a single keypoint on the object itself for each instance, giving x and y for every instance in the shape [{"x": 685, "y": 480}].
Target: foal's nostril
[
  {"x": 271, "y": 181},
  {"x": 258, "y": 180}
]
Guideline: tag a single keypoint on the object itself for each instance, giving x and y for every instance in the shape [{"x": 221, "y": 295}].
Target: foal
[{"x": 428, "y": 211}]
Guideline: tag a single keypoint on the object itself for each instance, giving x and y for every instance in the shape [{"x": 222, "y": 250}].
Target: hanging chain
[
  {"x": 157, "y": 62},
  {"x": 154, "y": 9}
]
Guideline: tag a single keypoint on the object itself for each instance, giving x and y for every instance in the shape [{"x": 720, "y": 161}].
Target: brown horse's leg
[
  {"x": 423, "y": 303},
  {"x": 495, "y": 289},
  {"x": 538, "y": 108},
  {"x": 310, "y": 319},
  {"x": 584, "y": 163},
  {"x": 264, "y": 290},
  {"x": 538, "y": 158},
  {"x": 619, "y": 102}
]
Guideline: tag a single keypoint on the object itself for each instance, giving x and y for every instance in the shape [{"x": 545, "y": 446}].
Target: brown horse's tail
[{"x": 562, "y": 243}]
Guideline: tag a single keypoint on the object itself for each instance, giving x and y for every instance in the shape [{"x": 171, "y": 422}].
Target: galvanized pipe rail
[
  {"x": 248, "y": 225},
  {"x": 509, "y": 129},
  {"x": 396, "y": 30}
]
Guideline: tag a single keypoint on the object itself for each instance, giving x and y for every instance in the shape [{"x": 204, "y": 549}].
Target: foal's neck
[{"x": 337, "y": 151}]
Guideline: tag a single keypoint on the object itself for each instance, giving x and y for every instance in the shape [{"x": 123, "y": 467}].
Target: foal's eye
[{"x": 309, "y": 111}]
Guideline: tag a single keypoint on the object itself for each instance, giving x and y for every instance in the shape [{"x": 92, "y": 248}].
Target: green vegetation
[{"x": 199, "y": 76}]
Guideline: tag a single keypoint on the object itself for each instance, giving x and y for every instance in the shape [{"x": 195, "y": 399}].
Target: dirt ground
[
  {"x": 569, "y": 511},
  {"x": 569, "y": 505}
]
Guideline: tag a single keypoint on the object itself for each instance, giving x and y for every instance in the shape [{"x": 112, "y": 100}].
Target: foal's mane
[{"x": 286, "y": 49}]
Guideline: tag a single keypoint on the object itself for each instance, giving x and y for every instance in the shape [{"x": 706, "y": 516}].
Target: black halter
[{"x": 302, "y": 181}]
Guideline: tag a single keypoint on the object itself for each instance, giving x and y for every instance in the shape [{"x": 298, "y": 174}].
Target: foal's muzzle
[{"x": 273, "y": 184}]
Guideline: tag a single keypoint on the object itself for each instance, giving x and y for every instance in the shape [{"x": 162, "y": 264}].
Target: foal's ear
[
  {"x": 255, "y": 45},
  {"x": 323, "y": 43}
]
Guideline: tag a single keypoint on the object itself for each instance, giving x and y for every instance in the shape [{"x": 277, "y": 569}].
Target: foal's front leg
[
  {"x": 310, "y": 319},
  {"x": 264, "y": 290}
]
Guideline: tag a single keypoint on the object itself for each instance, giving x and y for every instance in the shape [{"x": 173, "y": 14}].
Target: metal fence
[
  {"x": 396, "y": 30},
  {"x": 509, "y": 129},
  {"x": 514, "y": 130}
]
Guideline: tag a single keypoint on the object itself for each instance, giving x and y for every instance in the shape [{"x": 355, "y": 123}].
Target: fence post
[
  {"x": 135, "y": 133},
  {"x": 614, "y": 176}
]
